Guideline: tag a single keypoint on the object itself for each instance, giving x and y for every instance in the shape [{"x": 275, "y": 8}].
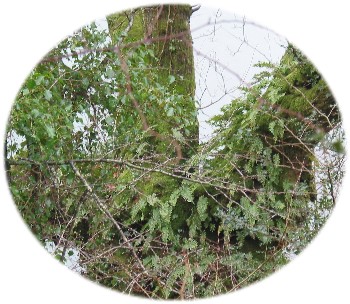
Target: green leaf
[
  {"x": 178, "y": 136},
  {"x": 25, "y": 92},
  {"x": 272, "y": 127},
  {"x": 48, "y": 95},
  {"x": 170, "y": 111},
  {"x": 48, "y": 202},
  {"x": 31, "y": 84},
  {"x": 187, "y": 194},
  {"x": 109, "y": 120},
  {"x": 152, "y": 200},
  {"x": 202, "y": 207},
  {"x": 35, "y": 113},
  {"x": 110, "y": 73},
  {"x": 70, "y": 178},
  {"x": 173, "y": 197},
  {"x": 279, "y": 205},
  {"x": 171, "y": 79},
  {"x": 190, "y": 244},
  {"x": 141, "y": 148},
  {"x": 165, "y": 211},
  {"x": 50, "y": 131},
  {"x": 39, "y": 80},
  {"x": 139, "y": 206},
  {"x": 68, "y": 203},
  {"x": 85, "y": 82},
  {"x": 274, "y": 96},
  {"x": 123, "y": 99}
]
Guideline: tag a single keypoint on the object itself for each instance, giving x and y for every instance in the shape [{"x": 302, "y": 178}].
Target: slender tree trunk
[{"x": 313, "y": 112}]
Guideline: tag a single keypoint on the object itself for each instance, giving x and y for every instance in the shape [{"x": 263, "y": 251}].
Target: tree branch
[{"x": 105, "y": 210}]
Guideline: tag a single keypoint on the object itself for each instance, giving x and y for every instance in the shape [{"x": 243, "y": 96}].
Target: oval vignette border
[{"x": 54, "y": 286}]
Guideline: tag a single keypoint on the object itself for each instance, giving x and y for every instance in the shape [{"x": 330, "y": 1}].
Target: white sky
[{"x": 235, "y": 46}]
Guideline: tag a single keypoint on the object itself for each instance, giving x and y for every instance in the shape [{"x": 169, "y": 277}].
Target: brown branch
[
  {"x": 105, "y": 210},
  {"x": 152, "y": 25},
  {"x": 187, "y": 273},
  {"x": 82, "y": 199},
  {"x": 289, "y": 112},
  {"x": 221, "y": 184},
  {"x": 255, "y": 270},
  {"x": 129, "y": 45}
]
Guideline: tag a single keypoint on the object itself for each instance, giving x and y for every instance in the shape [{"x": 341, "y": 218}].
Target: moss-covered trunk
[
  {"x": 175, "y": 55},
  {"x": 165, "y": 29},
  {"x": 307, "y": 102}
]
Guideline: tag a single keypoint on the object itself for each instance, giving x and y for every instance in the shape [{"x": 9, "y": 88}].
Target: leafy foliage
[{"x": 86, "y": 173}]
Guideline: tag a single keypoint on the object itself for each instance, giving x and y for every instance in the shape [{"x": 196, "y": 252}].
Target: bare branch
[{"x": 105, "y": 210}]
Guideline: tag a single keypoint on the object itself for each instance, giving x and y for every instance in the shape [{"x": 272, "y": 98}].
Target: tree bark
[{"x": 172, "y": 66}]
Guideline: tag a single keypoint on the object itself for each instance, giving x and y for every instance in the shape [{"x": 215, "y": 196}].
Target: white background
[{"x": 31, "y": 28}]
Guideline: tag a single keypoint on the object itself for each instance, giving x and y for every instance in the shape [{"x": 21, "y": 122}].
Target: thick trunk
[
  {"x": 175, "y": 55},
  {"x": 166, "y": 30}
]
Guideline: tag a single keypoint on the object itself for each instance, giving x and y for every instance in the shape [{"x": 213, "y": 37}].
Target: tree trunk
[
  {"x": 312, "y": 112},
  {"x": 166, "y": 30}
]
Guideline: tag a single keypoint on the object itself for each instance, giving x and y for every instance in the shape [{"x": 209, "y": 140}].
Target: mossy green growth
[
  {"x": 300, "y": 88},
  {"x": 164, "y": 34},
  {"x": 127, "y": 26}
]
